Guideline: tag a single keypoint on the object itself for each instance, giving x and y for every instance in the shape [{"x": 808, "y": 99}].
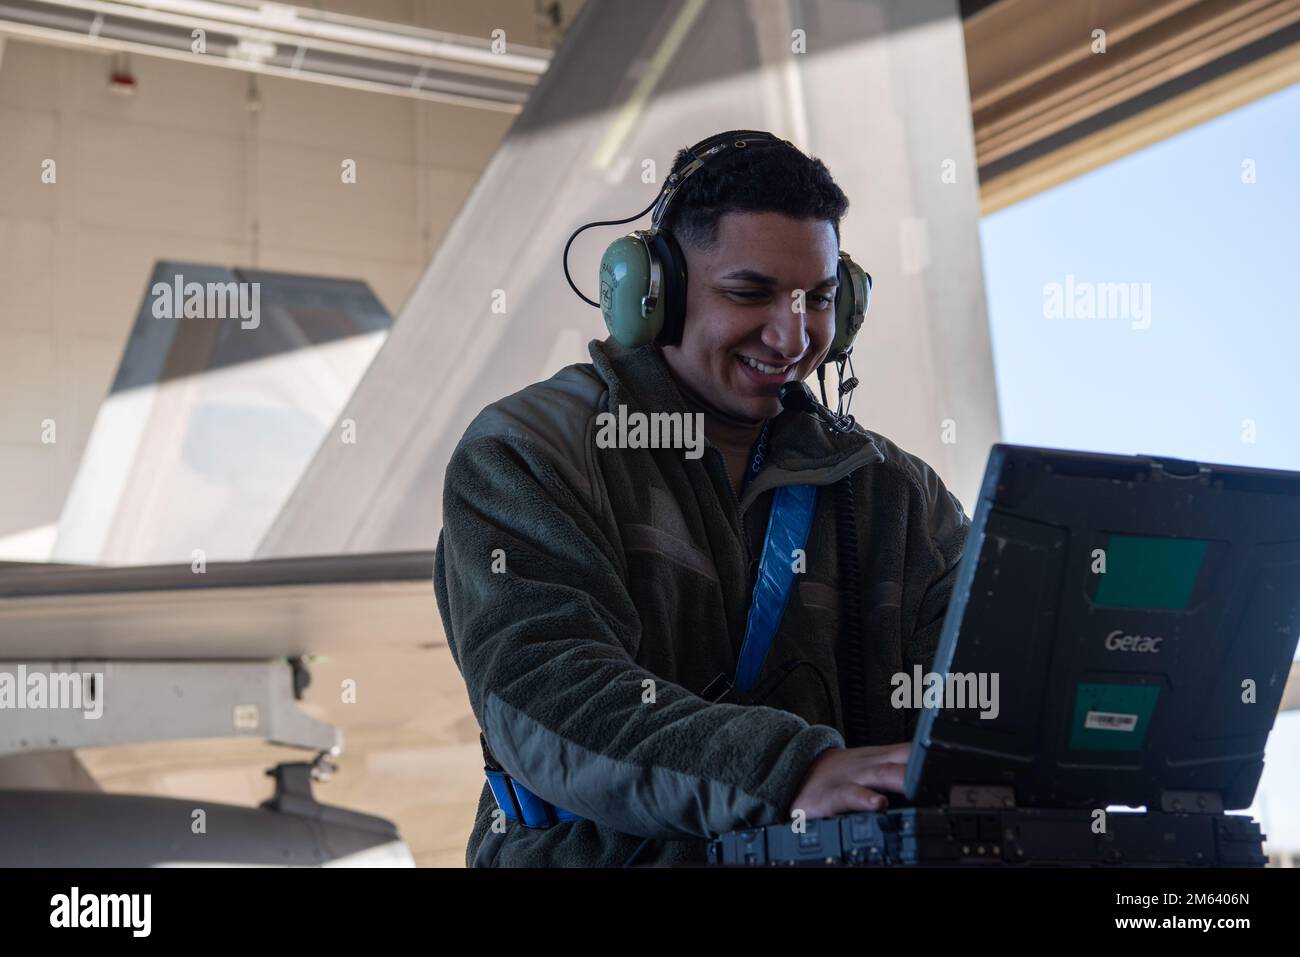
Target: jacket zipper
[
  {"x": 744, "y": 542},
  {"x": 735, "y": 507}
]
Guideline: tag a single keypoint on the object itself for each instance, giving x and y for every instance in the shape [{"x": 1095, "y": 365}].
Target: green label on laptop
[
  {"x": 1147, "y": 572},
  {"x": 1112, "y": 717}
]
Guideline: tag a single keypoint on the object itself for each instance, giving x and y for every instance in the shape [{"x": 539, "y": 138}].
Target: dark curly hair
[{"x": 768, "y": 179}]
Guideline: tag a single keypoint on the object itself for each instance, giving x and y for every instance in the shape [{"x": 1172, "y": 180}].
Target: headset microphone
[{"x": 797, "y": 397}]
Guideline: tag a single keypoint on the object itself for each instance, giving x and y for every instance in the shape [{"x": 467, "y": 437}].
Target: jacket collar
[{"x": 801, "y": 449}]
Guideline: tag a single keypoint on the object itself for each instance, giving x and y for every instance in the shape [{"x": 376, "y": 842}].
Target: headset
[{"x": 643, "y": 274}]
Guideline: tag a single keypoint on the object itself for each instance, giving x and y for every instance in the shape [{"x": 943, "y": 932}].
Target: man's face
[{"x": 744, "y": 336}]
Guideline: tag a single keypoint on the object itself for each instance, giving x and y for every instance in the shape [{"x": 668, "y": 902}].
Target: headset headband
[{"x": 707, "y": 152}]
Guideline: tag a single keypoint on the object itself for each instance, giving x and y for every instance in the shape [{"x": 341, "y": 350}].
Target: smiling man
[{"x": 597, "y": 596}]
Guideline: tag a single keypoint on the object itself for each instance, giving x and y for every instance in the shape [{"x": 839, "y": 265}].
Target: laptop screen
[{"x": 1136, "y": 617}]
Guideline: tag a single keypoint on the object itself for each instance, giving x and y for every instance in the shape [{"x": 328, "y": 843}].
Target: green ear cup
[
  {"x": 851, "y": 302},
  {"x": 643, "y": 290},
  {"x": 625, "y": 284}
]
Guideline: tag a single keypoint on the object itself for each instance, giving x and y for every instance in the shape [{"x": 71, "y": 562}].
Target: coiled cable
[{"x": 852, "y": 650}]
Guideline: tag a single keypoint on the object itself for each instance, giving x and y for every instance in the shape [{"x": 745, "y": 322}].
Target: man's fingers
[
  {"x": 857, "y": 798},
  {"x": 895, "y": 753},
  {"x": 884, "y": 777}
]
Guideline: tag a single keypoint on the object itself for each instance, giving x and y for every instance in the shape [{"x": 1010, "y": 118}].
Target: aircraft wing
[{"x": 230, "y": 610}]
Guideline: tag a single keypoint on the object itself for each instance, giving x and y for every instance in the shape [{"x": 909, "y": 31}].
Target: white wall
[{"x": 184, "y": 170}]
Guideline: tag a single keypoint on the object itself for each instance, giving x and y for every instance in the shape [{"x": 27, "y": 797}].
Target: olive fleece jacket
[{"x": 590, "y": 595}]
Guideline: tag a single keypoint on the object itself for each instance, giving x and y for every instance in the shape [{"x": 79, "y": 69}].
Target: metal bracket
[
  {"x": 981, "y": 796},
  {"x": 52, "y": 705},
  {"x": 1191, "y": 802}
]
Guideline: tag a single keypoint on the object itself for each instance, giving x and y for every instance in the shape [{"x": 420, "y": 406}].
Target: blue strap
[
  {"x": 499, "y": 782},
  {"x": 538, "y": 812},
  {"x": 522, "y": 805},
  {"x": 787, "y": 529}
]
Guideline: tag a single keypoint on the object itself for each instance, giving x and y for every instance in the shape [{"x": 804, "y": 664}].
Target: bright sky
[{"x": 1213, "y": 375}]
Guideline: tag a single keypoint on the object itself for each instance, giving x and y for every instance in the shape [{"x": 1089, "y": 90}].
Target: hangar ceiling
[{"x": 1058, "y": 89}]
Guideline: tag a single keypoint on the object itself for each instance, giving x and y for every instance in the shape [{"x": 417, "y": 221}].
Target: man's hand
[{"x": 850, "y": 779}]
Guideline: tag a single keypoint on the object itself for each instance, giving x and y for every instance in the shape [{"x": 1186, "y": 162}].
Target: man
[{"x": 593, "y": 596}]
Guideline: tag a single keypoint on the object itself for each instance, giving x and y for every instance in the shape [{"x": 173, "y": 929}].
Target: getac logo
[{"x": 1118, "y": 641}]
